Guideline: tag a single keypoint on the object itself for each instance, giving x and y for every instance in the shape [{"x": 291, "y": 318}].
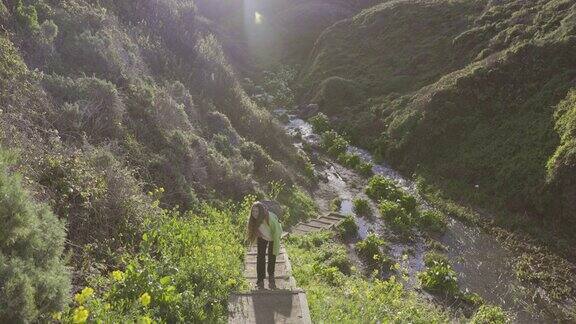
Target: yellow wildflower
[
  {"x": 57, "y": 316},
  {"x": 80, "y": 315},
  {"x": 145, "y": 299},
  {"x": 145, "y": 320},
  {"x": 118, "y": 275},
  {"x": 81, "y": 297}
]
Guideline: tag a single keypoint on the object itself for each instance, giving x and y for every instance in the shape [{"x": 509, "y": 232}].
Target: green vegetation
[
  {"x": 35, "y": 280},
  {"x": 487, "y": 314},
  {"x": 320, "y": 123},
  {"x": 335, "y": 297},
  {"x": 348, "y": 228},
  {"x": 334, "y": 143},
  {"x": 442, "y": 104},
  {"x": 370, "y": 249},
  {"x": 361, "y": 206},
  {"x": 400, "y": 209},
  {"x": 439, "y": 277},
  {"x": 185, "y": 268}
]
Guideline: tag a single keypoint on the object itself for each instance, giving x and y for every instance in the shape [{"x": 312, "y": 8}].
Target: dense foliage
[
  {"x": 480, "y": 97},
  {"x": 34, "y": 278},
  {"x": 184, "y": 271},
  {"x": 336, "y": 297}
]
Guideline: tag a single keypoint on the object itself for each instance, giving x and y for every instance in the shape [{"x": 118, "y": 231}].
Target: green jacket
[{"x": 275, "y": 231}]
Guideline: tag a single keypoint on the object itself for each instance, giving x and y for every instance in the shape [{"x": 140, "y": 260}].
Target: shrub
[
  {"x": 396, "y": 215},
  {"x": 354, "y": 299},
  {"x": 361, "y": 206},
  {"x": 333, "y": 143},
  {"x": 365, "y": 169},
  {"x": 370, "y": 250},
  {"x": 379, "y": 187},
  {"x": 337, "y": 256},
  {"x": 336, "y": 204},
  {"x": 433, "y": 220},
  {"x": 348, "y": 227},
  {"x": 349, "y": 160},
  {"x": 187, "y": 267},
  {"x": 35, "y": 280},
  {"x": 488, "y": 314},
  {"x": 439, "y": 275},
  {"x": 300, "y": 205},
  {"x": 26, "y": 16},
  {"x": 320, "y": 123},
  {"x": 335, "y": 92}
]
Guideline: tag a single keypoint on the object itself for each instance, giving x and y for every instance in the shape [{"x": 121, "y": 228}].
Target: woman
[{"x": 264, "y": 227}]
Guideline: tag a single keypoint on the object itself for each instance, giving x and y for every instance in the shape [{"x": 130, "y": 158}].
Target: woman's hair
[{"x": 254, "y": 223}]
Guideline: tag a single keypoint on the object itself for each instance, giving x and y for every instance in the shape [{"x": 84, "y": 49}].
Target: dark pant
[{"x": 261, "y": 259}]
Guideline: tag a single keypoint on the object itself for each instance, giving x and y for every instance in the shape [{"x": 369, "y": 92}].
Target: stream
[{"x": 483, "y": 265}]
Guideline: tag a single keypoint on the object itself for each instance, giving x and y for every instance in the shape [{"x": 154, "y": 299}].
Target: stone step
[
  {"x": 290, "y": 307},
  {"x": 282, "y": 283},
  {"x": 280, "y": 270},
  {"x": 319, "y": 223}
]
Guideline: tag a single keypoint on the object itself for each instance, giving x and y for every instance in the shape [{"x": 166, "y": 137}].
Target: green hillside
[
  {"x": 116, "y": 110},
  {"x": 472, "y": 92}
]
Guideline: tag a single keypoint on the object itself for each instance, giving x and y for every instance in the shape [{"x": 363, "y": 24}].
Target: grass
[{"x": 335, "y": 297}]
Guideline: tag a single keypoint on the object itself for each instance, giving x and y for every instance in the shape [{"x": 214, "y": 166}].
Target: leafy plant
[
  {"x": 396, "y": 215},
  {"x": 184, "y": 272},
  {"x": 320, "y": 123},
  {"x": 361, "y": 206},
  {"x": 334, "y": 143},
  {"x": 488, "y": 314},
  {"x": 337, "y": 298},
  {"x": 348, "y": 227},
  {"x": 370, "y": 250},
  {"x": 439, "y": 276},
  {"x": 35, "y": 279}
]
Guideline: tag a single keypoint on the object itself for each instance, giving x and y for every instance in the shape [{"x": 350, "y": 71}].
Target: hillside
[
  {"x": 475, "y": 94},
  {"x": 114, "y": 113}
]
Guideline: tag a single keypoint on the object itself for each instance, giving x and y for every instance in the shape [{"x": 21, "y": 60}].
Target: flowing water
[{"x": 483, "y": 265}]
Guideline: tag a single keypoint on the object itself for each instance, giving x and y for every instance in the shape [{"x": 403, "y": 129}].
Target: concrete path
[{"x": 286, "y": 303}]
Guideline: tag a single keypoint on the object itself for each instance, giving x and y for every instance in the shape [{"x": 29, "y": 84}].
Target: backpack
[{"x": 274, "y": 207}]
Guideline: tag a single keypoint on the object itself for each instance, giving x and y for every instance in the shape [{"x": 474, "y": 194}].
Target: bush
[
  {"x": 365, "y": 169},
  {"x": 333, "y": 143},
  {"x": 379, "y": 187},
  {"x": 349, "y": 160},
  {"x": 336, "y": 298},
  {"x": 433, "y": 220},
  {"x": 370, "y": 250},
  {"x": 320, "y": 123},
  {"x": 26, "y": 16},
  {"x": 336, "y": 204},
  {"x": 395, "y": 214},
  {"x": 439, "y": 275},
  {"x": 348, "y": 227},
  {"x": 35, "y": 280},
  {"x": 361, "y": 206},
  {"x": 487, "y": 314},
  {"x": 300, "y": 205},
  {"x": 187, "y": 267}
]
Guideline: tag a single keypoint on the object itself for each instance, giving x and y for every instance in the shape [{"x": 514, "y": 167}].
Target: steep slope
[
  {"x": 467, "y": 91},
  {"x": 107, "y": 100},
  {"x": 284, "y": 32}
]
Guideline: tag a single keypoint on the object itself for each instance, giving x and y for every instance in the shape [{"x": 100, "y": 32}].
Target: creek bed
[{"x": 483, "y": 265}]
